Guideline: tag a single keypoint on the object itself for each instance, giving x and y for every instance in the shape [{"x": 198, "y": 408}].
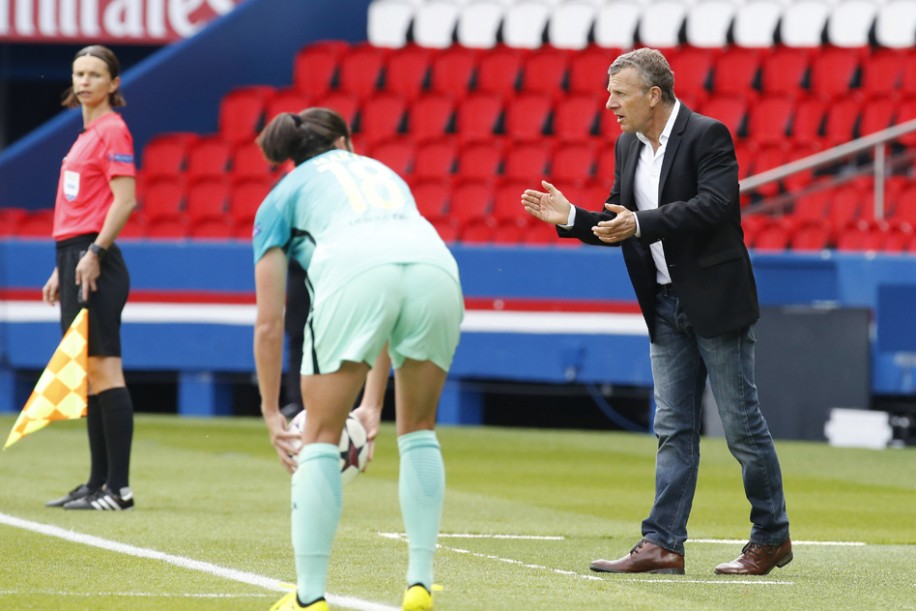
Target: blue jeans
[{"x": 681, "y": 360}]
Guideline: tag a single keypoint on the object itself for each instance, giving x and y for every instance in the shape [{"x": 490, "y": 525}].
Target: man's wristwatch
[{"x": 98, "y": 251}]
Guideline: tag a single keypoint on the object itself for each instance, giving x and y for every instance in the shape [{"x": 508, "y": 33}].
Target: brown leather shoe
[
  {"x": 645, "y": 557},
  {"x": 757, "y": 559}
]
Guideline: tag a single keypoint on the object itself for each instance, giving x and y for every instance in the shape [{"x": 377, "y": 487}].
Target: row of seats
[
  {"x": 764, "y": 233},
  {"x": 573, "y": 24}
]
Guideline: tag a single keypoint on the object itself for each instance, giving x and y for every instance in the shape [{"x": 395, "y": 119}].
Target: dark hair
[
  {"x": 652, "y": 67},
  {"x": 302, "y": 136},
  {"x": 105, "y": 54}
]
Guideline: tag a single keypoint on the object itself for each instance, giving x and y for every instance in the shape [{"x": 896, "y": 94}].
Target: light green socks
[
  {"x": 422, "y": 491},
  {"x": 316, "y": 501}
]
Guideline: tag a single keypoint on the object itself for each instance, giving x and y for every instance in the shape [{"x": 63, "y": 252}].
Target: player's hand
[
  {"x": 282, "y": 439},
  {"x": 550, "y": 205},
  {"x": 88, "y": 271},
  {"x": 619, "y": 228},
  {"x": 50, "y": 293},
  {"x": 370, "y": 417}
]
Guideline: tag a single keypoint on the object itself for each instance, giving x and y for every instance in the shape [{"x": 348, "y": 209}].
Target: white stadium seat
[
  {"x": 479, "y": 23},
  {"x": 803, "y": 23},
  {"x": 525, "y": 22},
  {"x": 571, "y": 24},
  {"x": 615, "y": 25},
  {"x": 434, "y": 23},
  {"x": 896, "y": 24},
  {"x": 850, "y": 23},
  {"x": 708, "y": 22},
  {"x": 661, "y": 23},
  {"x": 756, "y": 22},
  {"x": 389, "y": 22}
]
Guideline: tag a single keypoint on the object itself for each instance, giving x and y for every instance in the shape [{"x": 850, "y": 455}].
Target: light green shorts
[{"x": 416, "y": 307}]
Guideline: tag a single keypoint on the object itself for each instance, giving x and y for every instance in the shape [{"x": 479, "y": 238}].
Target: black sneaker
[
  {"x": 104, "y": 500},
  {"x": 77, "y": 493}
]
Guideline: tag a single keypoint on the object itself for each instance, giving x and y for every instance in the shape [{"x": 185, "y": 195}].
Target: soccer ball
[{"x": 354, "y": 445}]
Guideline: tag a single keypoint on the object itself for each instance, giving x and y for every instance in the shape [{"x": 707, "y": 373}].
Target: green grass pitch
[{"x": 211, "y": 491}]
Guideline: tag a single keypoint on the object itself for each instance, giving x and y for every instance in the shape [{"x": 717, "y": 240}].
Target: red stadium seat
[
  {"x": 397, "y": 154},
  {"x": 877, "y": 114},
  {"x": 908, "y": 74},
  {"x": 315, "y": 67},
  {"x": 784, "y": 71},
  {"x": 380, "y": 118},
  {"x": 907, "y": 112},
  {"x": 576, "y": 117},
  {"x": 809, "y": 120},
  {"x": 36, "y": 224},
  {"x": 769, "y": 157},
  {"x": 604, "y": 165},
  {"x": 769, "y": 119},
  {"x": 406, "y": 71},
  {"x": 249, "y": 162},
  {"x": 545, "y": 71},
  {"x": 452, "y": 71},
  {"x": 528, "y": 115},
  {"x": 162, "y": 199},
  {"x": 285, "y": 100},
  {"x": 736, "y": 71},
  {"x": 208, "y": 157},
  {"x": 430, "y": 116},
  {"x": 360, "y": 70},
  {"x": 167, "y": 228},
  {"x": 730, "y": 111},
  {"x": 241, "y": 113},
  {"x": 812, "y": 206},
  {"x": 432, "y": 197},
  {"x": 245, "y": 196},
  {"x": 905, "y": 210},
  {"x": 799, "y": 180},
  {"x": 692, "y": 69},
  {"x": 774, "y": 236},
  {"x": 478, "y": 117},
  {"x": 833, "y": 70},
  {"x": 479, "y": 160},
  {"x": 344, "y": 103},
  {"x": 528, "y": 161},
  {"x": 470, "y": 200},
  {"x": 499, "y": 71},
  {"x": 507, "y": 201},
  {"x": 9, "y": 219},
  {"x": 213, "y": 229},
  {"x": 573, "y": 163},
  {"x": 134, "y": 228},
  {"x": 166, "y": 155},
  {"x": 811, "y": 236},
  {"x": 509, "y": 232},
  {"x": 206, "y": 199},
  {"x": 588, "y": 70},
  {"x": 435, "y": 159},
  {"x": 846, "y": 204},
  {"x": 882, "y": 72},
  {"x": 841, "y": 120},
  {"x": 476, "y": 231}
]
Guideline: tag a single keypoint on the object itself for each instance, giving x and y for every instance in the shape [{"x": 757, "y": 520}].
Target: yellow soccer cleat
[
  {"x": 417, "y": 598},
  {"x": 291, "y": 603}
]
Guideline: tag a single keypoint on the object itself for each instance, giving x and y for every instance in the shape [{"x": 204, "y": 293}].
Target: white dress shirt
[{"x": 648, "y": 175}]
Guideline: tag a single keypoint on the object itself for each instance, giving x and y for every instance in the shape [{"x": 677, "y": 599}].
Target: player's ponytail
[{"x": 302, "y": 136}]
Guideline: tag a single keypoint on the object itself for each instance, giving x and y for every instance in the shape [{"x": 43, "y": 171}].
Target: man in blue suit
[{"x": 674, "y": 210}]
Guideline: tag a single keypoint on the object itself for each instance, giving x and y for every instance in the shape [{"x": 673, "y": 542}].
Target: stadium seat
[
  {"x": 878, "y": 112},
  {"x": 212, "y": 228},
  {"x": 509, "y": 232},
  {"x": 507, "y": 202},
  {"x": 756, "y": 22},
  {"x": 207, "y": 199},
  {"x": 604, "y": 165},
  {"x": 769, "y": 119},
  {"x": 525, "y": 23},
  {"x": 479, "y": 23},
  {"x": 850, "y": 22},
  {"x": 908, "y": 75},
  {"x": 169, "y": 228},
  {"x": 575, "y": 117},
  {"x": 479, "y": 160},
  {"x": 435, "y": 159},
  {"x": 736, "y": 71},
  {"x": 406, "y": 71},
  {"x": 285, "y": 100},
  {"x": 846, "y": 204},
  {"x": 906, "y": 111},
  {"x": 344, "y": 103},
  {"x": 770, "y": 156},
  {"x": 241, "y": 113},
  {"x": 833, "y": 71},
  {"x": 447, "y": 230},
  {"x": 470, "y": 200},
  {"x": 905, "y": 210},
  {"x": 249, "y": 162},
  {"x": 430, "y": 116},
  {"x": 545, "y": 72},
  {"x": 798, "y": 180},
  {"x": 661, "y": 22},
  {"x": 774, "y": 237},
  {"x": 245, "y": 196},
  {"x": 588, "y": 70},
  {"x": 380, "y": 118},
  {"x": 692, "y": 69},
  {"x": 388, "y": 22},
  {"x": 808, "y": 123},
  {"x": 543, "y": 234},
  {"x": 397, "y": 154},
  {"x": 745, "y": 157},
  {"x": 731, "y": 111},
  {"x": 163, "y": 198},
  {"x": 752, "y": 225},
  {"x": 476, "y": 231},
  {"x": 809, "y": 237},
  {"x": 499, "y": 71},
  {"x": 882, "y": 72},
  {"x": 616, "y": 23},
  {"x": 208, "y": 157},
  {"x": 478, "y": 116},
  {"x": 528, "y": 116},
  {"x": 784, "y": 72},
  {"x": 434, "y": 23},
  {"x": 528, "y": 161},
  {"x": 860, "y": 235},
  {"x": 803, "y": 22},
  {"x": 708, "y": 23},
  {"x": 812, "y": 206},
  {"x": 571, "y": 23},
  {"x": 432, "y": 197},
  {"x": 134, "y": 228},
  {"x": 360, "y": 71},
  {"x": 573, "y": 162},
  {"x": 452, "y": 71},
  {"x": 165, "y": 155},
  {"x": 315, "y": 67},
  {"x": 36, "y": 224},
  {"x": 895, "y": 26},
  {"x": 9, "y": 219},
  {"x": 841, "y": 120}
]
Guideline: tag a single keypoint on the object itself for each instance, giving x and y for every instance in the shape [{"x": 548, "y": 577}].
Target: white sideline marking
[
  {"x": 716, "y": 582},
  {"x": 743, "y": 541},
  {"x": 129, "y": 594},
  {"x": 478, "y": 536},
  {"x": 268, "y": 583}
]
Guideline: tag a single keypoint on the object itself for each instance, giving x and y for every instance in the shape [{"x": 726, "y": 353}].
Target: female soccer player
[
  {"x": 377, "y": 272},
  {"x": 95, "y": 196}
]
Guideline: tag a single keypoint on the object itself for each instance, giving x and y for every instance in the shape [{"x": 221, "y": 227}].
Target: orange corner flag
[{"x": 60, "y": 393}]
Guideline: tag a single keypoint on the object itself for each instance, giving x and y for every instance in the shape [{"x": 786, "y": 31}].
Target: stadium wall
[
  {"x": 179, "y": 88},
  {"x": 534, "y": 315}
]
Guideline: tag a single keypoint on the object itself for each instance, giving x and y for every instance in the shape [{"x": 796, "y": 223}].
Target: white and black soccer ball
[{"x": 353, "y": 446}]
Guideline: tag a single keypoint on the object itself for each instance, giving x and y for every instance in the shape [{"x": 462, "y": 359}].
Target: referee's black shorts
[{"x": 105, "y": 304}]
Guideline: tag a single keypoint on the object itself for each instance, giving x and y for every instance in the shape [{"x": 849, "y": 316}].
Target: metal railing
[{"x": 877, "y": 141}]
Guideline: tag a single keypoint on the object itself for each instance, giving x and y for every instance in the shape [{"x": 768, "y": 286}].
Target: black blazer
[{"x": 698, "y": 221}]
